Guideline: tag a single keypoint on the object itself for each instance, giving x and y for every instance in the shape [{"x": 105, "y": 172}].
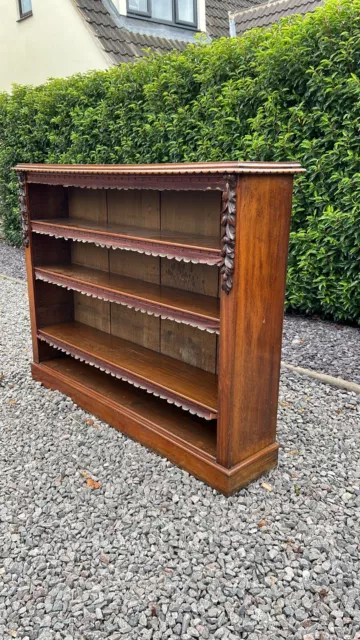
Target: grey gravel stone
[
  {"x": 12, "y": 261},
  {"x": 325, "y": 347},
  {"x": 46, "y": 635},
  {"x": 154, "y": 553}
]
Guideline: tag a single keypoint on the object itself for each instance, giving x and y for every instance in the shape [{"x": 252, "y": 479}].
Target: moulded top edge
[{"x": 191, "y": 168}]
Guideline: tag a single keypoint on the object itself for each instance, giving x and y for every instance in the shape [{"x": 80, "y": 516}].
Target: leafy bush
[{"x": 291, "y": 92}]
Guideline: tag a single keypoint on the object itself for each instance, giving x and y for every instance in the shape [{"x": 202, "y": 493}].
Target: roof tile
[
  {"x": 265, "y": 14},
  {"x": 124, "y": 45},
  {"x": 217, "y": 14},
  {"x": 121, "y": 44}
]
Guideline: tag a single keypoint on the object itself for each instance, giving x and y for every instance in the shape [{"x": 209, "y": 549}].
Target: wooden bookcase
[{"x": 156, "y": 298}]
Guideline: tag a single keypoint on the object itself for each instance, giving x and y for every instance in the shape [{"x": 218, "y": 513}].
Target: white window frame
[{"x": 147, "y": 15}]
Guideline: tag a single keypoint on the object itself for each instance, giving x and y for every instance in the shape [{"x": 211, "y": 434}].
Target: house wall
[{"x": 54, "y": 42}]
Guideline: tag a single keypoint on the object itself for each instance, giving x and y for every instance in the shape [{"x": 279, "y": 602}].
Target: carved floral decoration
[
  {"x": 228, "y": 222},
  {"x": 23, "y": 208}
]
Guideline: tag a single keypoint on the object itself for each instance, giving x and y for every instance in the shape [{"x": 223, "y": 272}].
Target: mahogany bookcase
[{"x": 156, "y": 299}]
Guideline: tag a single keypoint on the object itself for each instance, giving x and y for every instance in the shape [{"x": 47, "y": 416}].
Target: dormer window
[
  {"x": 181, "y": 12},
  {"x": 25, "y": 8}
]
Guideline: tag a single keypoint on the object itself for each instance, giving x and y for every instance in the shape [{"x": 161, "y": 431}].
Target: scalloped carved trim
[
  {"x": 179, "y": 254},
  {"x": 136, "y": 382},
  {"x": 162, "y": 182},
  {"x": 23, "y": 208},
  {"x": 152, "y": 309},
  {"x": 228, "y": 221}
]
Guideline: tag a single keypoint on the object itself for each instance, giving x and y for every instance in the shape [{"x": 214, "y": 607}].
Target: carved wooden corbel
[
  {"x": 23, "y": 208},
  {"x": 228, "y": 222}
]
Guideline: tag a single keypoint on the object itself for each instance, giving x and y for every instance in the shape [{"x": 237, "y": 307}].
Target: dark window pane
[
  {"x": 138, "y": 5},
  {"x": 186, "y": 11},
  {"x": 162, "y": 10}
]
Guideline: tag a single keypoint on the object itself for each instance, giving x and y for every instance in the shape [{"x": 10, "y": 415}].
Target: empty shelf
[
  {"x": 181, "y": 246},
  {"x": 175, "y": 304},
  {"x": 159, "y": 417},
  {"x": 177, "y": 382}
]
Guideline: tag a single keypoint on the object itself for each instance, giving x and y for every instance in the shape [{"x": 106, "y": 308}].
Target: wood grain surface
[{"x": 190, "y": 386}]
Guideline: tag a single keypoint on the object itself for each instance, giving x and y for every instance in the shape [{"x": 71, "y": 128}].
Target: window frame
[
  {"x": 182, "y": 22},
  {"x": 24, "y": 14},
  {"x": 175, "y": 22},
  {"x": 145, "y": 14}
]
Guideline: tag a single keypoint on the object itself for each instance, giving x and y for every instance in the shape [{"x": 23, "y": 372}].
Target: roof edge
[{"x": 258, "y": 8}]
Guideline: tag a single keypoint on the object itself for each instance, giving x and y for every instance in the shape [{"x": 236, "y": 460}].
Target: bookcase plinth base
[{"x": 196, "y": 455}]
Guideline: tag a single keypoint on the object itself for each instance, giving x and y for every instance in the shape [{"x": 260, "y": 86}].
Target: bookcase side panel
[
  {"x": 31, "y": 294},
  {"x": 47, "y": 303},
  {"x": 47, "y": 202},
  {"x": 252, "y": 319}
]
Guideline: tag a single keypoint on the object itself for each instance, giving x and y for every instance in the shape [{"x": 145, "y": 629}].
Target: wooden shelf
[
  {"x": 177, "y": 382},
  {"x": 181, "y": 246},
  {"x": 169, "y": 421},
  {"x": 175, "y": 304}
]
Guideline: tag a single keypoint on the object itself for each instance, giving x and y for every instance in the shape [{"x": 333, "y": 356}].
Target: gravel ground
[
  {"x": 12, "y": 261},
  {"x": 322, "y": 346},
  {"x": 152, "y": 552}
]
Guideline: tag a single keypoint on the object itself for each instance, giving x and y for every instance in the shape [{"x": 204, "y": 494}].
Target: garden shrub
[{"x": 291, "y": 92}]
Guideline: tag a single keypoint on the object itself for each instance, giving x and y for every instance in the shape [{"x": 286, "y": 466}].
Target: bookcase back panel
[
  {"x": 189, "y": 344},
  {"x": 88, "y": 204},
  {"x": 134, "y": 208},
  {"x": 92, "y": 311},
  {"x": 135, "y": 326},
  {"x": 179, "y": 341},
  {"x": 198, "y": 278},
  {"x": 135, "y": 265},
  {"x": 195, "y": 212},
  {"x": 89, "y": 255}
]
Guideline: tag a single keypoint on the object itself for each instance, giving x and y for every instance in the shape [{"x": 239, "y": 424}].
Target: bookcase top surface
[{"x": 191, "y": 168}]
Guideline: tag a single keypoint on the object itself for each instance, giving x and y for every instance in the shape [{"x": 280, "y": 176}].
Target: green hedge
[{"x": 291, "y": 92}]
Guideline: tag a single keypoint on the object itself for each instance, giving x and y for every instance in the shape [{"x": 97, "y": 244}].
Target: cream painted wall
[
  {"x": 121, "y": 6},
  {"x": 54, "y": 42}
]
